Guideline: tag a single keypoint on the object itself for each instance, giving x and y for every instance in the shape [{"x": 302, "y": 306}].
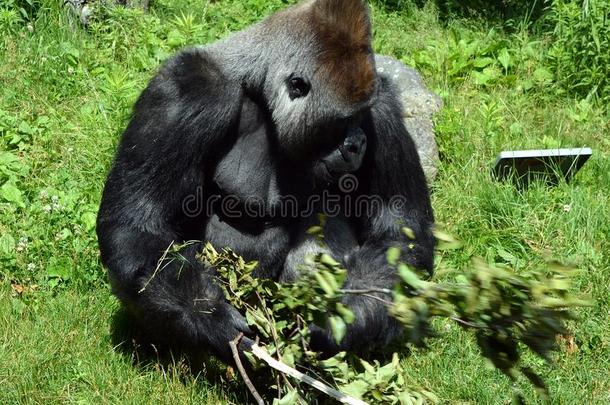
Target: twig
[
  {"x": 263, "y": 355},
  {"x": 465, "y": 323},
  {"x": 275, "y": 339},
  {"x": 374, "y": 297},
  {"x": 158, "y": 268},
  {"x": 242, "y": 370},
  {"x": 300, "y": 323},
  {"x": 366, "y": 291}
]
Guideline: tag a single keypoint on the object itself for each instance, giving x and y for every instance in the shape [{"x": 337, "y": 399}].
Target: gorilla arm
[
  {"x": 180, "y": 123},
  {"x": 392, "y": 174}
]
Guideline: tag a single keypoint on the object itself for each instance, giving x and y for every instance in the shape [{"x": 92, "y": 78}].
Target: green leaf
[
  {"x": 6, "y": 158},
  {"x": 386, "y": 372},
  {"x": 393, "y": 255},
  {"x": 7, "y": 244},
  {"x": 367, "y": 366},
  {"x": 408, "y": 232},
  {"x": 88, "y": 220},
  {"x": 409, "y": 276},
  {"x": 25, "y": 128},
  {"x": 355, "y": 389},
  {"x": 11, "y": 193},
  {"x": 405, "y": 398},
  {"x": 59, "y": 269},
  {"x": 345, "y": 312},
  {"x": 481, "y": 78},
  {"x": 445, "y": 241},
  {"x": 288, "y": 399},
  {"x": 543, "y": 76},
  {"x": 377, "y": 395},
  {"x": 507, "y": 256},
  {"x": 527, "y": 84},
  {"x": 338, "y": 328},
  {"x": 324, "y": 284},
  {"x": 232, "y": 280},
  {"x": 315, "y": 230},
  {"x": 505, "y": 59},
  {"x": 175, "y": 38},
  {"x": 64, "y": 234},
  {"x": 328, "y": 260},
  {"x": 482, "y": 62}
]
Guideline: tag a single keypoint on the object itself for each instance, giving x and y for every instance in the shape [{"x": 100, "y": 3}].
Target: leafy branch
[{"x": 506, "y": 312}]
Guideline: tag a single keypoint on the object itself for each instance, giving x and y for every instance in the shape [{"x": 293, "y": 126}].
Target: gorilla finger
[
  {"x": 245, "y": 344},
  {"x": 237, "y": 321}
]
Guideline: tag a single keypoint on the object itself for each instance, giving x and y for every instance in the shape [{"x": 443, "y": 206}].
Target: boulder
[{"x": 420, "y": 105}]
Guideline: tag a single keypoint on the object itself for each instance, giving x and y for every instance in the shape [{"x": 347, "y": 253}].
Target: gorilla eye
[{"x": 297, "y": 87}]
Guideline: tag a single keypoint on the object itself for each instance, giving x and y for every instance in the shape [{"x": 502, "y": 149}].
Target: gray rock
[
  {"x": 80, "y": 10},
  {"x": 420, "y": 105},
  {"x": 83, "y": 10}
]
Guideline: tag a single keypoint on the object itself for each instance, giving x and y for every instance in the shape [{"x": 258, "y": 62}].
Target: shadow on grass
[{"x": 129, "y": 341}]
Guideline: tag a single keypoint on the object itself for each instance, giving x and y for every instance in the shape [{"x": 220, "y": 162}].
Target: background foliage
[
  {"x": 580, "y": 53},
  {"x": 508, "y": 82}
]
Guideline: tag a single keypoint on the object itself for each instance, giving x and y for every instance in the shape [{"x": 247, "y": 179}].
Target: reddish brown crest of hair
[{"x": 343, "y": 31}]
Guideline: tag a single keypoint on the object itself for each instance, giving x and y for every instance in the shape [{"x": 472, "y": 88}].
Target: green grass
[{"x": 67, "y": 93}]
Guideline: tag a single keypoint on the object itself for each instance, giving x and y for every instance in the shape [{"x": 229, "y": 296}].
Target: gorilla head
[{"x": 315, "y": 71}]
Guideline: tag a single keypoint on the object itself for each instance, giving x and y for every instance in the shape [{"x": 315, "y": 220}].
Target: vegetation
[
  {"x": 506, "y": 312},
  {"x": 530, "y": 81}
]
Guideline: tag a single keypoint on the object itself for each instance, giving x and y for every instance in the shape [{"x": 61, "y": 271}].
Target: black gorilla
[{"x": 226, "y": 136}]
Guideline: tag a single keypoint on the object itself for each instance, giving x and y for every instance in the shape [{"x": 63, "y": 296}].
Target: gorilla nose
[
  {"x": 355, "y": 141},
  {"x": 353, "y": 148}
]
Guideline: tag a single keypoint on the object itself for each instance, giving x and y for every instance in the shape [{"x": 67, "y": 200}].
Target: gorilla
[{"x": 237, "y": 143}]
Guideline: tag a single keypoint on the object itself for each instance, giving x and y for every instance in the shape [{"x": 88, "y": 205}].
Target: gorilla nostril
[{"x": 353, "y": 148}]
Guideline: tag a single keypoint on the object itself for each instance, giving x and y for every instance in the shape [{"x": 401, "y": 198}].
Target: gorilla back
[{"x": 270, "y": 116}]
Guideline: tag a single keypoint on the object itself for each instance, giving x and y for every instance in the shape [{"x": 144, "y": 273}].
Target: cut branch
[
  {"x": 242, "y": 370},
  {"x": 263, "y": 355}
]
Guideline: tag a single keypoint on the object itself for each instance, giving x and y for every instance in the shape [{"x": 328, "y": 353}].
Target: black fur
[{"x": 194, "y": 132}]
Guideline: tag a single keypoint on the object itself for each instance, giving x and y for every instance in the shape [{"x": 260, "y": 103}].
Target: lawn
[{"x": 66, "y": 94}]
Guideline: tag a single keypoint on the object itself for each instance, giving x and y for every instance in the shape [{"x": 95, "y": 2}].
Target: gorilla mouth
[{"x": 329, "y": 170}]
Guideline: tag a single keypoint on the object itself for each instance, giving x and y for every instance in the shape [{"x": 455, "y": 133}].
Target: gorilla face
[
  {"x": 320, "y": 78},
  {"x": 311, "y": 120}
]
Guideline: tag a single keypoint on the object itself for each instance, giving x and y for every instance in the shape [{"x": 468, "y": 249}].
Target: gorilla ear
[{"x": 349, "y": 16}]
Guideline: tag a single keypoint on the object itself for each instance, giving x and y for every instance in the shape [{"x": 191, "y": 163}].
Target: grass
[{"x": 67, "y": 94}]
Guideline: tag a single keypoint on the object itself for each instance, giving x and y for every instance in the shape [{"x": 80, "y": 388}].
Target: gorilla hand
[
  {"x": 373, "y": 327},
  {"x": 225, "y": 324}
]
